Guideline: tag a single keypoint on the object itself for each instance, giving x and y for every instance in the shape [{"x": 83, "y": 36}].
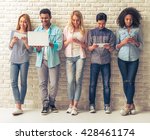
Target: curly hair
[{"x": 129, "y": 11}]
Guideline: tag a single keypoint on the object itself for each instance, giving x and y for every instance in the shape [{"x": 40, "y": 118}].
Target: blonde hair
[
  {"x": 81, "y": 26},
  {"x": 27, "y": 17}
]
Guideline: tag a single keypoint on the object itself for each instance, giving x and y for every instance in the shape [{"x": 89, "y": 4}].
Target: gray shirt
[
  {"x": 95, "y": 36},
  {"x": 19, "y": 53}
]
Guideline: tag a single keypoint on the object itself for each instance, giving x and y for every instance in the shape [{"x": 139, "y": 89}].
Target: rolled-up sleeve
[
  {"x": 140, "y": 39},
  {"x": 89, "y": 39},
  {"x": 58, "y": 40}
]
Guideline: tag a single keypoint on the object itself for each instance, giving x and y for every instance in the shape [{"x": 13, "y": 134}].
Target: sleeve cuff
[{"x": 55, "y": 46}]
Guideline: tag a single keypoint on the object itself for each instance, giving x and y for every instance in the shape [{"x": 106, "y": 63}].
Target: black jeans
[
  {"x": 94, "y": 73},
  {"x": 128, "y": 71}
]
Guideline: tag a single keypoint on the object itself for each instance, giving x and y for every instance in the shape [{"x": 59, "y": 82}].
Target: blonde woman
[
  {"x": 74, "y": 44},
  {"x": 20, "y": 60}
]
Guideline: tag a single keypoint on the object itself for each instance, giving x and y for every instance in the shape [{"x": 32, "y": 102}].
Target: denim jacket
[
  {"x": 129, "y": 52},
  {"x": 55, "y": 36}
]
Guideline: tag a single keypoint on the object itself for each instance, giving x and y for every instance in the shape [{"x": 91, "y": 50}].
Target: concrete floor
[{"x": 34, "y": 116}]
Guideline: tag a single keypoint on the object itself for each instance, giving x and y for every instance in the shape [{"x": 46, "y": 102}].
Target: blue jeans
[
  {"x": 128, "y": 71},
  {"x": 19, "y": 95},
  {"x": 74, "y": 71},
  {"x": 106, "y": 74}
]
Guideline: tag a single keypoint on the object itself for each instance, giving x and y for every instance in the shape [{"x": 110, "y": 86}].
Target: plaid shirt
[{"x": 95, "y": 36}]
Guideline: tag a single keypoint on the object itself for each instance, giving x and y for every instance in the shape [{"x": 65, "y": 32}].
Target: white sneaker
[
  {"x": 74, "y": 111},
  {"x": 92, "y": 109},
  {"x": 17, "y": 112},
  {"x": 69, "y": 109},
  {"x": 107, "y": 109}
]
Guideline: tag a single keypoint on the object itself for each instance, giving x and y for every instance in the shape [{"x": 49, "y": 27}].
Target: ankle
[
  {"x": 18, "y": 106},
  {"x": 132, "y": 107}
]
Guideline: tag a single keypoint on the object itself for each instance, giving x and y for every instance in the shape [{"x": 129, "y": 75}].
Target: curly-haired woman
[{"x": 129, "y": 43}]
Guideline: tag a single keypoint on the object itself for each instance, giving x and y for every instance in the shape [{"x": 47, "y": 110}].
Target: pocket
[{"x": 52, "y": 38}]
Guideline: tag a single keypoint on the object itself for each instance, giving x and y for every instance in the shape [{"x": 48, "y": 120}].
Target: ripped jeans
[{"x": 128, "y": 71}]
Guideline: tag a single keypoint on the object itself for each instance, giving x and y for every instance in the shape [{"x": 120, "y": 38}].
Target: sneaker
[
  {"x": 54, "y": 109},
  {"x": 125, "y": 111},
  {"x": 17, "y": 112},
  {"x": 92, "y": 109},
  {"x": 132, "y": 109},
  {"x": 45, "y": 110},
  {"x": 69, "y": 109},
  {"x": 74, "y": 111},
  {"x": 107, "y": 109}
]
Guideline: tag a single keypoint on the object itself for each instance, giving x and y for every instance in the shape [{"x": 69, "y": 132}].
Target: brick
[{"x": 61, "y": 10}]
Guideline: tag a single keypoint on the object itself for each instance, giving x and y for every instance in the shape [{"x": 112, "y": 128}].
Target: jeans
[
  {"x": 106, "y": 74},
  {"x": 128, "y": 71},
  {"x": 74, "y": 71},
  {"x": 48, "y": 75},
  {"x": 19, "y": 95}
]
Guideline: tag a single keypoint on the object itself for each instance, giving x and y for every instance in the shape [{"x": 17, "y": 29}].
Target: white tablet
[
  {"x": 38, "y": 38},
  {"x": 101, "y": 45},
  {"x": 19, "y": 35}
]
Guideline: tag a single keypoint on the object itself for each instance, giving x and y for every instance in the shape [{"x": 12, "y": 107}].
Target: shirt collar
[
  {"x": 48, "y": 28},
  {"x": 101, "y": 29},
  {"x": 126, "y": 27}
]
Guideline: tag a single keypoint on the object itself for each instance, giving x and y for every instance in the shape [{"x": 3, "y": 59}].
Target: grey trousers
[{"x": 48, "y": 83}]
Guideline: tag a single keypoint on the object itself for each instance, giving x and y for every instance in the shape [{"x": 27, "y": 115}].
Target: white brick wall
[{"x": 61, "y": 9}]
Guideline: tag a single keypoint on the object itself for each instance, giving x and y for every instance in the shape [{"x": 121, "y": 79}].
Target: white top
[
  {"x": 74, "y": 49},
  {"x": 45, "y": 51}
]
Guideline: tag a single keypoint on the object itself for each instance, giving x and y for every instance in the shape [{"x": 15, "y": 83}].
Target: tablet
[
  {"x": 38, "y": 38},
  {"x": 101, "y": 45},
  {"x": 19, "y": 35}
]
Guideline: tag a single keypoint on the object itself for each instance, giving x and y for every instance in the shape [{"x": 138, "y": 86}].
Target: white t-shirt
[
  {"x": 45, "y": 51},
  {"x": 76, "y": 46}
]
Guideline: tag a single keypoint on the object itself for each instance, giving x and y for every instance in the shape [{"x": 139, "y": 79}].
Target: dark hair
[
  {"x": 136, "y": 17},
  {"x": 45, "y": 11},
  {"x": 101, "y": 16}
]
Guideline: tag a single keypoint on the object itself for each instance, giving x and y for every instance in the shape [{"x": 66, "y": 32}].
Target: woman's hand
[
  {"x": 13, "y": 41},
  {"x": 25, "y": 40},
  {"x": 133, "y": 41}
]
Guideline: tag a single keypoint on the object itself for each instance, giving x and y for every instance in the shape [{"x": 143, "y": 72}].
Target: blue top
[
  {"x": 129, "y": 52},
  {"x": 55, "y": 37}
]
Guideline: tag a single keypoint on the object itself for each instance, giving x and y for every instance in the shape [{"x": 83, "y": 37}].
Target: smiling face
[
  {"x": 76, "y": 21},
  {"x": 45, "y": 20},
  {"x": 23, "y": 23},
  {"x": 128, "y": 20}
]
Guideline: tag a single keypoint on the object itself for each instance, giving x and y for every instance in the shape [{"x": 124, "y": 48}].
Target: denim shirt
[
  {"x": 101, "y": 55},
  {"x": 129, "y": 52},
  {"x": 55, "y": 37}
]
